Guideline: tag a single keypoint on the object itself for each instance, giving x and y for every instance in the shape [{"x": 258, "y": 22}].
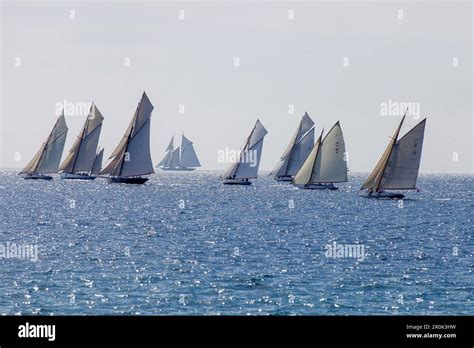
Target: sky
[{"x": 211, "y": 68}]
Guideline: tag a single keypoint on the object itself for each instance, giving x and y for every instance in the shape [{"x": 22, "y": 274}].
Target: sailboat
[
  {"x": 80, "y": 161},
  {"x": 47, "y": 158},
  {"x": 246, "y": 167},
  {"x": 297, "y": 151},
  {"x": 398, "y": 167},
  {"x": 183, "y": 158},
  {"x": 131, "y": 158},
  {"x": 326, "y": 164}
]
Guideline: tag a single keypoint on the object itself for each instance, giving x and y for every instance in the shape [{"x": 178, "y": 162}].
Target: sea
[{"x": 184, "y": 244}]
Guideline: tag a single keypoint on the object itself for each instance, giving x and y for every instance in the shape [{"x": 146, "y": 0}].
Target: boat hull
[
  {"x": 38, "y": 177},
  {"x": 381, "y": 194},
  {"x": 236, "y": 182},
  {"x": 71, "y": 176},
  {"x": 126, "y": 180},
  {"x": 177, "y": 169},
  {"x": 318, "y": 187},
  {"x": 283, "y": 178}
]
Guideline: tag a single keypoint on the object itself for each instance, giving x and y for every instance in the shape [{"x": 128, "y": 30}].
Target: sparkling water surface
[{"x": 185, "y": 244}]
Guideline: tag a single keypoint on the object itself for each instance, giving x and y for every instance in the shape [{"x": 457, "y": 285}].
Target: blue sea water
[{"x": 185, "y": 244}]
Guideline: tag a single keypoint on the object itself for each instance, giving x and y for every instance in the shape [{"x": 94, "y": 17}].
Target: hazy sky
[{"x": 338, "y": 61}]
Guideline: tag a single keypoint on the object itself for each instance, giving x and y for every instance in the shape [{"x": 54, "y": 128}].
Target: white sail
[
  {"x": 330, "y": 165},
  {"x": 166, "y": 161},
  {"x": 48, "y": 157},
  {"x": 247, "y": 166},
  {"x": 278, "y": 169},
  {"x": 249, "y": 169},
  {"x": 97, "y": 163},
  {"x": 137, "y": 159},
  {"x": 303, "y": 177},
  {"x": 83, "y": 153},
  {"x": 170, "y": 145},
  {"x": 300, "y": 152},
  {"x": 373, "y": 181},
  {"x": 402, "y": 167},
  {"x": 298, "y": 149},
  {"x": 132, "y": 156},
  {"x": 188, "y": 155}
]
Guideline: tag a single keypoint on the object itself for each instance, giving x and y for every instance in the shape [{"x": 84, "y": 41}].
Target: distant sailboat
[
  {"x": 132, "y": 158},
  {"x": 49, "y": 155},
  {"x": 183, "y": 158},
  {"x": 326, "y": 164},
  {"x": 398, "y": 167},
  {"x": 246, "y": 167},
  {"x": 297, "y": 151},
  {"x": 80, "y": 161}
]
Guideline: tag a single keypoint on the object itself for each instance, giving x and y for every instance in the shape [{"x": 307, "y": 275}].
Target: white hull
[
  {"x": 38, "y": 177},
  {"x": 318, "y": 187},
  {"x": 381, "y": 194},
  {"x": 237, "y": 182},
  {"x": 66, "y": 176}
]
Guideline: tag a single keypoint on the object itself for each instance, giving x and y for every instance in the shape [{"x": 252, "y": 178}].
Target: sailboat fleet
[{"x": 305, "y": 163}]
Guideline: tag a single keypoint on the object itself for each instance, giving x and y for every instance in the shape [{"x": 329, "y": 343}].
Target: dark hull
[
  {"x": 283, "y": 178},
  {"x": 381, "y": 195},
  {"x": 69, "y": 176},
  {"x": 124, "y": 180},
  {"x": 236, "y": 182},
  {"x": 318, "y": 187},
  {"x": 38, "y": 177}
]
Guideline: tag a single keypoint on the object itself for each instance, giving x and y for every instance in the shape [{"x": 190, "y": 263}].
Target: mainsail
[
  {"x": 373, "y": 181},
  {"x": 82, "y": 155},
  {"x": 132, "y": 156},
  {"x": 188, "y": 155},
  {"x": 326, "y": 163},
  {"x": 175, "y": 158},
  {"x": 298, "y": 149},
  {"x": 250, "y": 154},
  {"x": 49, "y": 155},
  {"x": 399, "y": 165}
]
